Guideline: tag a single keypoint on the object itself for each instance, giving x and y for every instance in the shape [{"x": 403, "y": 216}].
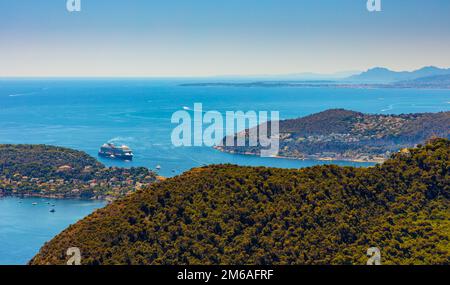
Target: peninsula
[{"x": 339, "y": 134}]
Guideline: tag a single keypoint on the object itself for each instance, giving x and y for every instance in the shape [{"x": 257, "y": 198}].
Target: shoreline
[
  {"x": 107, "y": 199},
  {"x": 309, "y": 86},
  {"x": 304, "y": 159},
  {"x": 53, "y": 197}
]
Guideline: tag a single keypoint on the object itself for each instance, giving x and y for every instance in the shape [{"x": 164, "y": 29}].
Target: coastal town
[
  {"x": 67, "y": 174},
  {"x": 108, "y": 184}
]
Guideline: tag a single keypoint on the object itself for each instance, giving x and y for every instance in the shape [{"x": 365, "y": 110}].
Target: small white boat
[
  {"x": 158, "y": 167},
  {"x": 34, "y": 204}
]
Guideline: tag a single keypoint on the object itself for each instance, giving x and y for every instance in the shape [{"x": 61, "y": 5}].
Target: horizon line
[{"x": 334, "y": 75}]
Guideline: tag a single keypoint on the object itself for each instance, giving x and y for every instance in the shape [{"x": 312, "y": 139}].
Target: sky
[{"x": 194, "y": 38}]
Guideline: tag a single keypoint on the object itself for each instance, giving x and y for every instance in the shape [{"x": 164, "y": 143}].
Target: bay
[
  {"x": 24, "y": 227},
  {"x": 85, "y": 113}
]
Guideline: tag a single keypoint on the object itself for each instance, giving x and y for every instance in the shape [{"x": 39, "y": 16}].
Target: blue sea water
[
  {"x": 24, "y": 227},
  {"x": 84, "y": 114}
]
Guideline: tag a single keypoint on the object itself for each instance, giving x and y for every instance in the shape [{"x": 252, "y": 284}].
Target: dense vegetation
[
  {"x": 40, "y": 170},
  {"x": 227, "y": 214},
  {"x": 348, "y": 135}
]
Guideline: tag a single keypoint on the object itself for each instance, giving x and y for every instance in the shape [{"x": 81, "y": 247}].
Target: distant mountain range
[
  {"x": 373, "y": 75},
  {"x": 426, "y": 77},
  {"x": 384, "y": 75}
]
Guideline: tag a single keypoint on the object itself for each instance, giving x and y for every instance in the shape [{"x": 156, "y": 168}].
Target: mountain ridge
[
  {"x": 379, "y": 77},
  {"x": 385, "y": 75}
]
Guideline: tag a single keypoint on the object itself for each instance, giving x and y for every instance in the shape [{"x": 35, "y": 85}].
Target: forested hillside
[{"x": 227, "y": 214}]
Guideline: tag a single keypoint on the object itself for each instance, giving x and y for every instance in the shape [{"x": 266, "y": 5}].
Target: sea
[
  {"x": 85, "y": 113},
  {"x": 26, "y": 224}
]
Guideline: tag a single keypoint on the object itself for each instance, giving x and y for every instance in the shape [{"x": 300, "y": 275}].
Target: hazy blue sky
[{"x": 217, "y": 37}]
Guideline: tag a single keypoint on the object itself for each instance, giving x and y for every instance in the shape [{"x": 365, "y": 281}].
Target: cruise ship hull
[{"x": 115, "y": 156}]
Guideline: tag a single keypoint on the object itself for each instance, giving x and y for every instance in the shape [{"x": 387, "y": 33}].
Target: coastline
[
  {"x": 377, "y": 161},
  {"x": 108, "y": 199},
  {"x": 56, "y": 197},
  {"x": 332, "y": 86}
]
